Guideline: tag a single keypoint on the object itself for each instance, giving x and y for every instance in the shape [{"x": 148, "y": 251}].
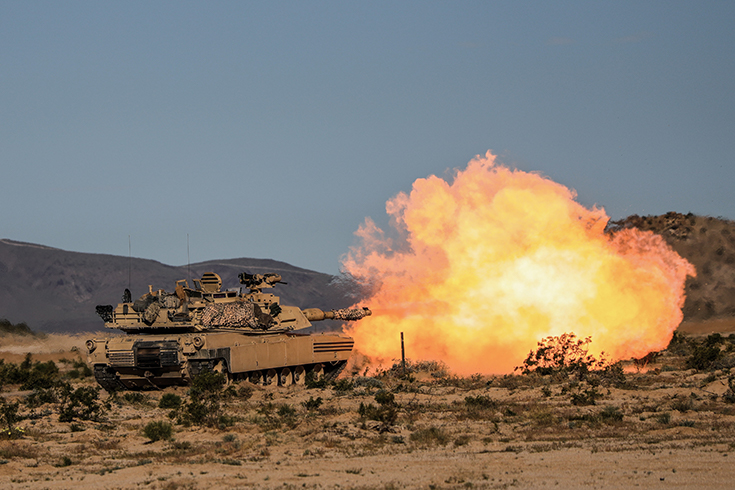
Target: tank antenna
[
  {"x": 130, "y": 260},
  {"x": 188, "y": 261}
]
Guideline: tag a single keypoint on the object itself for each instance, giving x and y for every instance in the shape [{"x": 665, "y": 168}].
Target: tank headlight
[
  {"x": 91, "y": 345},
  {"x": 198, "y": 342}
]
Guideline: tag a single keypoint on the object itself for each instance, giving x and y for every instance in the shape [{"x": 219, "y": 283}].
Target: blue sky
[{"x": 272, "y": 129}]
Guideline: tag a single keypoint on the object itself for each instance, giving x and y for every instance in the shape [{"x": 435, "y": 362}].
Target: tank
[{"x": 172, "y": 337}]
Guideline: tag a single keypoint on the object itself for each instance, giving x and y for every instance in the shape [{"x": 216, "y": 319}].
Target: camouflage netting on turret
[
  {"x": 245, "y": 314},
  {"x": 349, "y": 314},
  {"x": 149, "y": 305}
]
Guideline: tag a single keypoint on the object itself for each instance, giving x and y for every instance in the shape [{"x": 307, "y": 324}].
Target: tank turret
[
  {"x": 250, "y": 335},
  {"x": 207, "y": 307}
]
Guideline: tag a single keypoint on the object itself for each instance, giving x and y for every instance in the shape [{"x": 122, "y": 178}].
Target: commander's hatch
[{"x": 211, "y": 282}]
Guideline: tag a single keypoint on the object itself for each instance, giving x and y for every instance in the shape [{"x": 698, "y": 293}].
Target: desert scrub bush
[
  {"x": 41, "y": 375},
  {"x": 245, "y": 392},
  {"x": 10, "y": 416},
  {"x": 272, "y": 416},
  {"x": 367, "y": 383},
  {"x": 542, "y": 417},
  {"x": 28, "y": 374},
  {"x": 81, "y": 403},
  {"x": 169, "y": 400},
  {"x": 81, "y": 370},
  {"x": 704, "y": 356},
  {"x": 312, "y": 404},
  {"x": 472, "y": 382},
  {"x": 285, "y": 410},
  {"x": 480, "y": 401},
  {"x": 477, "y": 407},
  {"x": 10, "y": 373},
  {"x": 17, "y": 449},
  {"x": 41, "y": 397},
  {"x": 591, "y": 419},
  {"x": 611, "y": 414},
  {"x": 429, "y": 436},
  {"x": 385, "y": 398},
  {"x": 682, "y": 403},
  {"x": 342, "y": 386},
  {"x": 588, "y": 396},
  {"x": 386, "y": 412},
  {"x": 204, "y": 405},
  {"x": 65, "y": 461},
  {"x": 562, "y": 355},
  {"x": 436, "y": 369},
  {"x": 135, "y": 398},
  {"x": 158, "y": 431},
  {"x": 368, "y": 411},
  {"x": 507, "y": 381},
  {"x": 680, "y": 345},
  {"x": 462, "y": 440},
  {"x": 207, "y": 384},
  {"x": 729, "y": 395},
  {"x": 613, "y": 374},
  {"x": 180, "y": 447},
  {"x": 313, "y": 382}
]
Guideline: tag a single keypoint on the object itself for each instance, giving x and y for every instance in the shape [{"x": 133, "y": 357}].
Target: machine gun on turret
[{"x": 258, "y": 282}]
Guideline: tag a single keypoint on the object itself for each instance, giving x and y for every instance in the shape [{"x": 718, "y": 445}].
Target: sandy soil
[{"x": 668, "y": 427}]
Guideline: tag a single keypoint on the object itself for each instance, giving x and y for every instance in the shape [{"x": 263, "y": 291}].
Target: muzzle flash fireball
[{"x": 485, "y": 266}]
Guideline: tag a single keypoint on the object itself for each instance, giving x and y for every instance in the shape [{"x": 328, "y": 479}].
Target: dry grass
[{"x": 664, "y": 409}]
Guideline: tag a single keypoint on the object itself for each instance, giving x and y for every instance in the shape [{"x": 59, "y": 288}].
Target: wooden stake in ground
[{"x": 403, "y": 356}]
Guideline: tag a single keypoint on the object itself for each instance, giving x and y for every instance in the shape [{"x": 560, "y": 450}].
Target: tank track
[
  {"x": 107, "y": 379},
  {"x": 333, "y": 373}
]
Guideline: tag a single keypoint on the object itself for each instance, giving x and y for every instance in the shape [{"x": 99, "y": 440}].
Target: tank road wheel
[
  {"x": 285, "y": 377},
  {"x": 299, "y": 375},
  {"x": 255, "y": 377},
  {"x": 270, "y": 377},
  {"x": 316, "y": 373}
]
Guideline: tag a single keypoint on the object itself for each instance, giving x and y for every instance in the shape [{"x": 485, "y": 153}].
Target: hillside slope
[{"x": 709, "y": 244}]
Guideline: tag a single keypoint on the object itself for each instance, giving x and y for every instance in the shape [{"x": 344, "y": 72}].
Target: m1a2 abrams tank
[{"x": 171, "y": 337}]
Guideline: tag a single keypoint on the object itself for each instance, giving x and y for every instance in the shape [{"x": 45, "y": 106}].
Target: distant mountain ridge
[{"x": 55, "y": 290}]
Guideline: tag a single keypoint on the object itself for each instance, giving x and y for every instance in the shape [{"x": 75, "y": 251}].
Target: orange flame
[{"x": 486, "y": 266}]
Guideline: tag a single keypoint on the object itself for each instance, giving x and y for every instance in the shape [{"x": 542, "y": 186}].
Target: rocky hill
[
  {"x": 709, "y": 244},
  {"x": 54, "y": 290}
]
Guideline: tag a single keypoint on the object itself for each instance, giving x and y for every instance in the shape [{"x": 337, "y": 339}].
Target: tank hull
[{"x": 159, "y": 360}]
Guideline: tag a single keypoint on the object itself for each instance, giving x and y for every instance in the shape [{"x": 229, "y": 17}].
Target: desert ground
[{"x": 666, "y": 422}]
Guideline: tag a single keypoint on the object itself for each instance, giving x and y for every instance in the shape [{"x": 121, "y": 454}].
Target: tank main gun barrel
[{"x": 347, "y": 314}]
